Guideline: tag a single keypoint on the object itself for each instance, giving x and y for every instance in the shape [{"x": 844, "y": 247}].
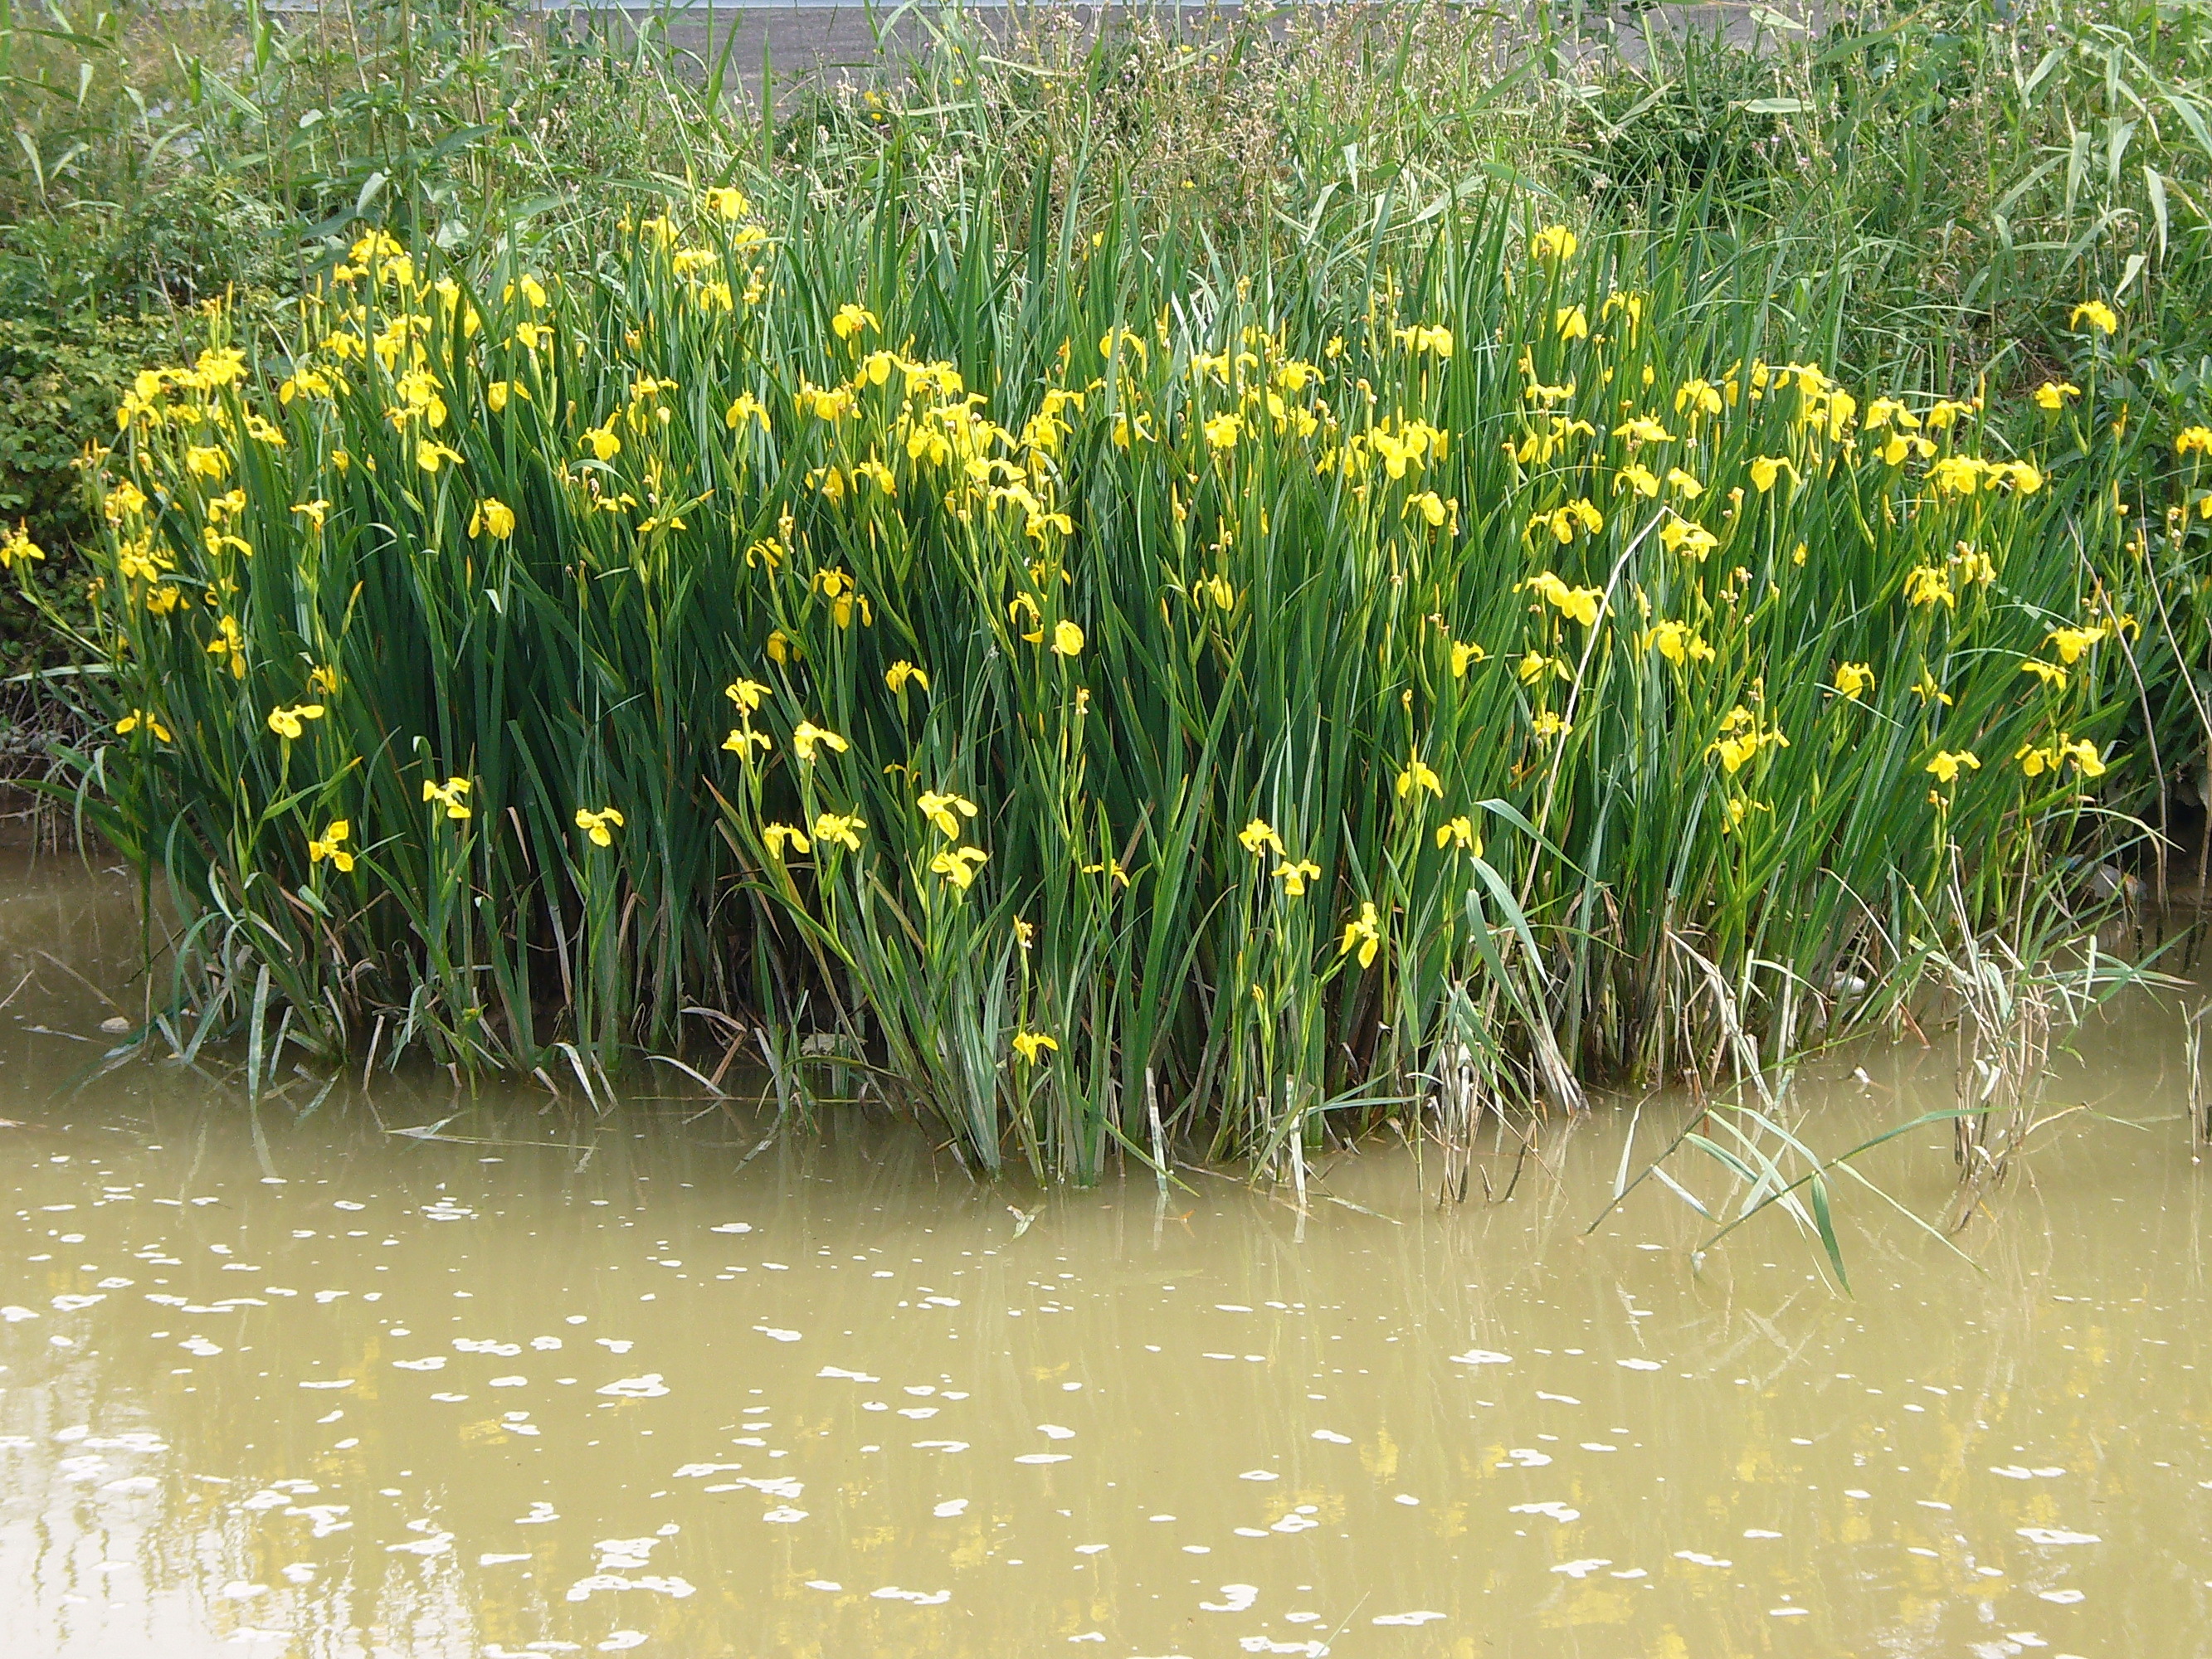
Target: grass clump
[{"x": 1061, "y": 684}]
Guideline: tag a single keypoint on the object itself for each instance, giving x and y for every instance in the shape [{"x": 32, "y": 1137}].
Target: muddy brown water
[{"x": 566, "y": 1384}]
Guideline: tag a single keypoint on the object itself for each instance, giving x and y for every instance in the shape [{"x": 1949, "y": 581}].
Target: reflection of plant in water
[{"x": 2009, "y": 992}]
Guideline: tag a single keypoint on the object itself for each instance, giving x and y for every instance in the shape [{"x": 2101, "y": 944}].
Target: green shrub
[
  {"x": 59, "y": 386},
  {"x": 1698, "y": 123}
]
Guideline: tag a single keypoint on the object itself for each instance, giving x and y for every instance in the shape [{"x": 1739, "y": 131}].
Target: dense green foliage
[{"x": 1353, "y": 709}]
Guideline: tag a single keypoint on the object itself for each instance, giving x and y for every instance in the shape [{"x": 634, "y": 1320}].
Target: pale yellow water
[{"x": 572, "y": 1384}]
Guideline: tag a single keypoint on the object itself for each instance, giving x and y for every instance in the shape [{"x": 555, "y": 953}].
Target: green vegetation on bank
[{"x": 1240, "y": 577}]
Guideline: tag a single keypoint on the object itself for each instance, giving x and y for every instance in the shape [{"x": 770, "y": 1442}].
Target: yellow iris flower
[
  {"x": 1944, "y": 767},
  {"x": 1553, "y": 242},
  {"x": 2099, "y": 315},
  {"x": 1364, "y": 931},
  {"x": 331, "y": 847},
  {"x": 1259, "y": 836},
  {"x": 958, "y": 865},
  {"x": 452, "y": 794},
  {"x": 288, "y": 723},
  {"x": 600, "y": 825},
  {"x": 807, "y": 735},
  {"x": 492, "y": 518},
  {"x": 1578, "y": 604},
  {"x": 778, "y": 835},
  {"x": 1417, "y": 776},
  {"x": 851, "y": 320},
  {"x": 946, "y": 811},
  {"x": 1460, "y": 831}
]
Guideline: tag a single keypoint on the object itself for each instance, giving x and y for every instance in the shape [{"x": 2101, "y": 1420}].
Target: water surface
[{"x": 560, "y": 1383}]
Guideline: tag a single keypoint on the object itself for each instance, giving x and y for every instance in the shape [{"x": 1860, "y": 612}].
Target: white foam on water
[
  {"x": 649, "y": 1387},
  {"x": 1554, "y": 1511},
  {"x": 584, "y": 1589}
]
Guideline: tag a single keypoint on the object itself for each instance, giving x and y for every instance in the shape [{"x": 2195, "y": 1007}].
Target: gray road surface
[{"x": 803, "y": 43}]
